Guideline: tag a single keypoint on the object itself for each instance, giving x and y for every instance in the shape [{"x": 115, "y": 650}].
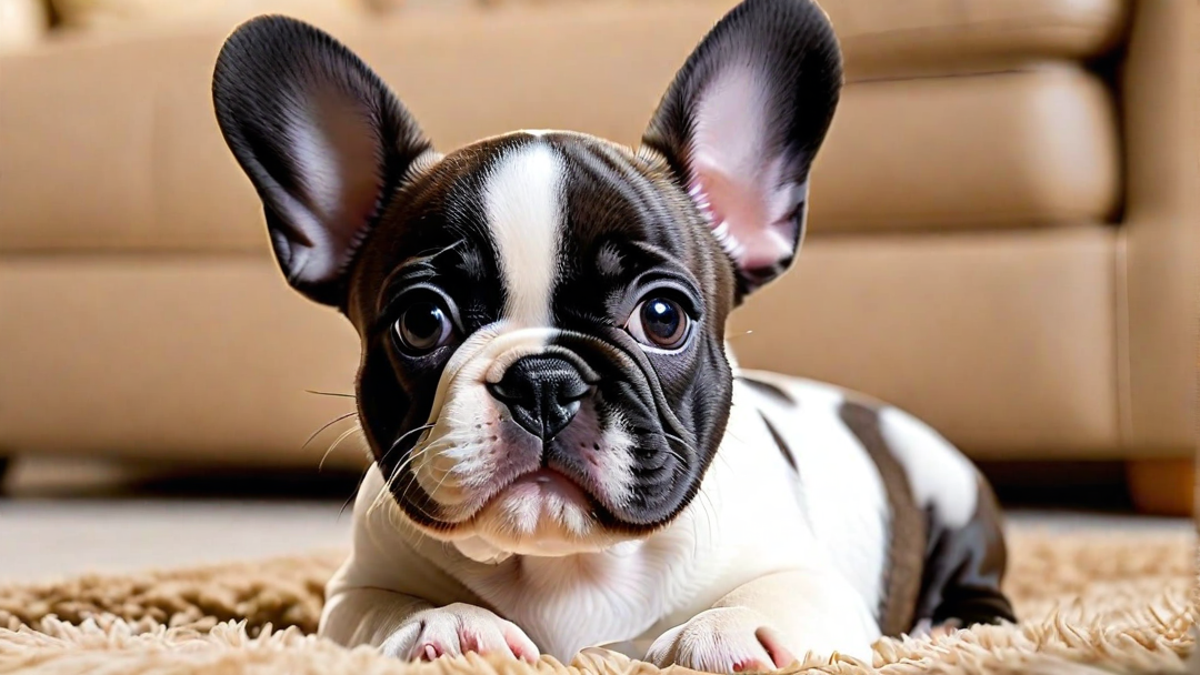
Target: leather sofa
[{"x": 1004, "y": 235}]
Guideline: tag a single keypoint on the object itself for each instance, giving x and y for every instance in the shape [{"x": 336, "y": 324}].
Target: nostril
[
  {"x": 570, "y": 408},
  {"x": 574, "y": 390},
  {"x": 505, "y": 392},
  {"x": 556, "y": 416},
  {"x": 498, "y": 392}
]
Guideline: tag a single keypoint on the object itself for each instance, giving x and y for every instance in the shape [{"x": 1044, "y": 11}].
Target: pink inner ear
[
  {"x": 336, "y": 156},
  {"x": 737, "y": 173}
]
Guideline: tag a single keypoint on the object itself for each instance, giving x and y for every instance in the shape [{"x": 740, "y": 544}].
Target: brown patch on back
[
  {"x": 784, "y": 449},
  {"x": 768, "y": 389},
  {"x": 908, "y": 535},
  {"x": 965, "y": 569}
]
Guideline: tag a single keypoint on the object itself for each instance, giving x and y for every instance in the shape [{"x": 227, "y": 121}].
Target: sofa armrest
[{"x": 1161, "y": 231}]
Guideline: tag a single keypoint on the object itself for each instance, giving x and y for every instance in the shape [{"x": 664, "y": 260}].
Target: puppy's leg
[
  {"x": 770, "y": 622},
  {"x": 389, "y": 595},
  {"x": 410, "y": 628},
  {"x": 964, "y": 572}
]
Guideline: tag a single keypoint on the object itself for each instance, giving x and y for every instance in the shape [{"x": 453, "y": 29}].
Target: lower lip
[{"x": 548, "y": 480}]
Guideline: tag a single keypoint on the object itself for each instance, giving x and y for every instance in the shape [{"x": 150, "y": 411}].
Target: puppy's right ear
[
  {"x": 322, "y": 138},
  {"x": 741, "y": 124}
]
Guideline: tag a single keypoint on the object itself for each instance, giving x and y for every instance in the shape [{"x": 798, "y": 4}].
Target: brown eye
[
  {"x": 423, "y": 327},
  {"x": 659, "y": 322}
]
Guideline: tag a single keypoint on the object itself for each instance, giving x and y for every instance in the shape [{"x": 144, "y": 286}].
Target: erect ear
[
  {"x": 322, "y": 138},
  {"x": 741, "y": 125}
]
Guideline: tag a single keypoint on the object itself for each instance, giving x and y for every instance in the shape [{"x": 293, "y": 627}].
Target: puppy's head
[{"x": 542, "y": 313}]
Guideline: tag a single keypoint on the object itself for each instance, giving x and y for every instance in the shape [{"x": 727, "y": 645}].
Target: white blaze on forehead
[{"x": 523, "y": 197}]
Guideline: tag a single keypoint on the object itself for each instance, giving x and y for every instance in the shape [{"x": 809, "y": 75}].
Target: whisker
[
  {"x": 386, "y": 489},
  {"x": 673, "y": 437},
  {"x": 705, "y": 507},
  {"x": 430, "y": 254},
  {"x": 353, "y": 495},
  {"x": 345, "y": 434},
  {"x": 701, "y": 506},
  {"x": 379, "y": 496},
  {"x": 685, "y": 444},
  {"x": 710, "y": 513},
  {"x": 325, "y": 426},
  {"x": 329, "y": 393},
  {"x": 440, "y": 484},
  {"x": 390, "y": 481},
  {"x": 409, "y": 483},
  {"x": 705, "y": 500},
  {"x": 408, "y": 462},
  {"x": 396, "y": 443},
  {"x": 676, "y": 455},
  {"x": 389, "y": 484}
]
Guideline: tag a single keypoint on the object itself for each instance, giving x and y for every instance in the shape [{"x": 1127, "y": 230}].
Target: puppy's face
[
  {"x": 542, "y": 313},
  {"x": 542, "y": 316}
]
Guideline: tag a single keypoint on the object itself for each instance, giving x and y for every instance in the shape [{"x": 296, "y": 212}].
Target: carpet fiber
[{"x": 1122, "y": 603}]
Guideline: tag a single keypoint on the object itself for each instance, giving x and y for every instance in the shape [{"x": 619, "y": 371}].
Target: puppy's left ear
[{"x": 742, "y": 122}]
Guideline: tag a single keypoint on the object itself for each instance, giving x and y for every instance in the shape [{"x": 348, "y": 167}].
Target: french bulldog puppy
[{"x": 565, "y": 453}]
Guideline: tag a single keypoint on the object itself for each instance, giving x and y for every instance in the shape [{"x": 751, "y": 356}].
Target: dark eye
[
  {"x": 659, "y": 322},
  {"x": 423, "y": 327}
]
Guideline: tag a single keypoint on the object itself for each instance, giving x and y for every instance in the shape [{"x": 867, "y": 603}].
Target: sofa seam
[{"x": 1122, "y": 355}]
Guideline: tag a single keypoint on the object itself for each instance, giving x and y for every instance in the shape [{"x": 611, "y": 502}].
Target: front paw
[
  {"x": 454, "y": 630},
  {"x": 722, "y": 640}
]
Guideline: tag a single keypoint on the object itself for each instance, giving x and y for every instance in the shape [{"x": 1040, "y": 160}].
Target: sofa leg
[
  {"x": 5, "y": 462},
  {"x": 1162, "y": 487}
]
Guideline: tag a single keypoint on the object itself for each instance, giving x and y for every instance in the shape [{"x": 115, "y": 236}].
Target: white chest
[
  {"x": 745, "y": 522},
  {"x": 753, "y": 516},
  {"x": 568, "y": 603}
]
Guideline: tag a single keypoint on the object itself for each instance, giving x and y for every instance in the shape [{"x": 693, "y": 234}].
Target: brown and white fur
[{"x": 566, "y": 454}]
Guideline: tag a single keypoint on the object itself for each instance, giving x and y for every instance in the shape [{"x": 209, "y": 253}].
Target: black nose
[{"x": 542, "y": 393}]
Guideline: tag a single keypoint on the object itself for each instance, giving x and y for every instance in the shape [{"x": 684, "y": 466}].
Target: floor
[
  {"x": 134, "y": 518},
  {"x": 61, "y": 518}
]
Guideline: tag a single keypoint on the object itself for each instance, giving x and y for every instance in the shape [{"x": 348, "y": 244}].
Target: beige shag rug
[{"x": 1089, "y": 604}]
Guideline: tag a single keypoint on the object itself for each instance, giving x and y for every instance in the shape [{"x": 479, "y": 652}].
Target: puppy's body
[
  {"x": 795, "y": 487},
  {"x": 564, "y": 453}
]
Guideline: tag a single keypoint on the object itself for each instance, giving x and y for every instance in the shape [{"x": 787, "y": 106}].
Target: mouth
[
  {"x": 544, "y": 483},
  {"x": 540, "y": 485},
  {"x": 537, "y": 509}
]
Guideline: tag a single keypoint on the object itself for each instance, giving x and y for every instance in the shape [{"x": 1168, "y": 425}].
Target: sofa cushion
[
  {"x": 109, "y": 141},
  {"x": 1015, "y": 149},
  {"x": 110, "y": 14},
  {"x": 1011, "y": 351},
  {"x": 1006, "y": 342},
  {"x": 884, "y": 39},
  {"x": 124, "y": 124},
  {"x": 900, "y": 38},
  {"x": 208, "y": 360}
]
